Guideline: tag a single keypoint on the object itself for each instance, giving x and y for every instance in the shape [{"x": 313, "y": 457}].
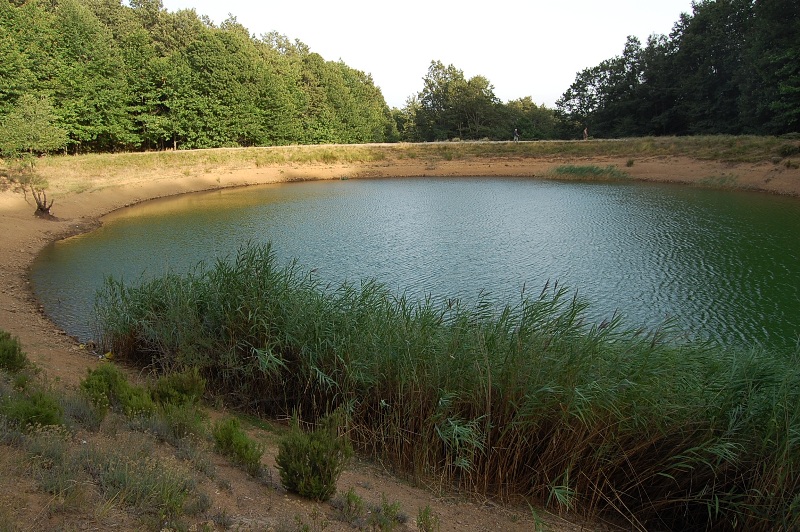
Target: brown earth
[{"x": 79, "y": 207}]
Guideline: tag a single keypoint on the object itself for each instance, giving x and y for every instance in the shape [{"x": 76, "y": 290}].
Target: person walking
[{"x": 516, "y": 135}]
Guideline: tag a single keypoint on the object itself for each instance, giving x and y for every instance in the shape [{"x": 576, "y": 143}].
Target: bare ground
[{"x": 262, "y": 505}]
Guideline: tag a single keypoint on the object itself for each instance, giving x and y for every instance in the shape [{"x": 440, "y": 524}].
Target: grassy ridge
[
  {"x": 724, "y": 148},
  {"x": 524, "y": 398}
]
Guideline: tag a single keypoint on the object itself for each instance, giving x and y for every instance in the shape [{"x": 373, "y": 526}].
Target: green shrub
[
  {"x": 12, "y": 359},
  {"x": 233, "y": 442},
  {"x": 185, "y": 387},
  {"x": 38, "y": 408},
  {"x": 310, "y": 463},
  {"x": 106, "y": 386}
]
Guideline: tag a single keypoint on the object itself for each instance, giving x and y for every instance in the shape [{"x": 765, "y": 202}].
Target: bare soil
[{"x": 246, "y": 503}]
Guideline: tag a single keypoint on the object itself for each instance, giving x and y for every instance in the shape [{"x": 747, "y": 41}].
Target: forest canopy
[
  {"x": 730, "y": 67},
  {"x": 103, "y": 75}
]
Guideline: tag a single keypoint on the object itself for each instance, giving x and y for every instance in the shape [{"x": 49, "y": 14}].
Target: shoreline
[{"x": 79, "y": 209}]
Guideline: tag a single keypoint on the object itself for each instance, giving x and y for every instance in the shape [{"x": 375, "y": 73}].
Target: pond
[{"x": 723, "y": 265}]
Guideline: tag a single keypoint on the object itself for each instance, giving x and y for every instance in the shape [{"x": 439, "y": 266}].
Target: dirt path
[{"x": 79, "y": 209}]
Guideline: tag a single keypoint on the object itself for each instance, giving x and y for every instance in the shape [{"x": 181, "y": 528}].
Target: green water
[{"x": 716, "y": 264}]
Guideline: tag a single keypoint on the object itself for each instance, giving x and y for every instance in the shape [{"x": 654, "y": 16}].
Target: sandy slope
[{"x": 22, "y": 236}]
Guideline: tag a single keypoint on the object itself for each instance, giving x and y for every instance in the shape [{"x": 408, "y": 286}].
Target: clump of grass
[
  {"x": 233, "y": 442},
  {"x": 310, "y": 462},
  {"x": 523, "y": 398},
  {"x": 589, "y": 172}
]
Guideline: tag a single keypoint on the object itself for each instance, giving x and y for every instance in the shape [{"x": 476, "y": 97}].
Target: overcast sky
[{"x": 524, "y": 48}]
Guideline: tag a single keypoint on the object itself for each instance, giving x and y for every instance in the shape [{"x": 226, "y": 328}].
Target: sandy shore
[{"x": 79, "y": 210}]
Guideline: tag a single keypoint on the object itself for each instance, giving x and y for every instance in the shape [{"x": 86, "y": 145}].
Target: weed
[
  {"x": 350, "y": 507},
  {"x": 427, "y": 520},
  {"x": 386, "y": 515},
  {"x": 233, "y": 442}
]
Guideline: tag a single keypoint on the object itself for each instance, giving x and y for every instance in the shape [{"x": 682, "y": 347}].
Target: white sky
[{"x": 524, "y": 48}]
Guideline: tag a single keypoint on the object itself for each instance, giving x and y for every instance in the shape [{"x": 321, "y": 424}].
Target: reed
[{"x": 521, "y": 398}]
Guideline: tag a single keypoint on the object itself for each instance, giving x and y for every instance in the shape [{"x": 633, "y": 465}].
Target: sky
[{"x": 524, "y": 48}]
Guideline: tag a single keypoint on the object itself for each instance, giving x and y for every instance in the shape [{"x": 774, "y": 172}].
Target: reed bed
[{"x": 510, "y": 399}]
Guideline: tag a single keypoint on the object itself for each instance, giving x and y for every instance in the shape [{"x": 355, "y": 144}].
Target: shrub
[
  {"x": 233, "y": 442},
  {"x": 107, "y": 386},
  {"x": 38, "y": 408},
  {"x": 310, "y": 463},
  {"x": 12, "y": 359},
  {"x": 182, "y": 388}
]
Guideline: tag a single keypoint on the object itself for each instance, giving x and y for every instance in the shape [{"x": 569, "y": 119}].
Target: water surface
[{"x": 722, "y": 265}]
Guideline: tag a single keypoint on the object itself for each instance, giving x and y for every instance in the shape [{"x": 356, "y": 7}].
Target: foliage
[
  {"x": 729, "y": 67},
  {"x": 232, "y": 441},
  {"x": 134, "y": 76},
  {"x": 107, "y": 387},
  {"x": 12, "y": 358},
  {"x": 30, "y": 128},
  {"x": 427, "y": 520},
  {"x": 310, "y": 462},
  {"x": 28, "y": 410},
  {"x": 179, "y": 388},
  {"x": 350, "y": 506},
  {"x": 526, "y": 398}
]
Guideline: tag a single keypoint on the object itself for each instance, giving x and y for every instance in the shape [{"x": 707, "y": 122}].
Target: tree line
[
  {"x": 99, "y": 75},
  {"x": 729, "y": 67},
  {"x": 136, "y": 77}
]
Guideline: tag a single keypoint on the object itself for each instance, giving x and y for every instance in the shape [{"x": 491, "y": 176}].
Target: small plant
[
  {"x": 12, "y": 358},
  {"x": 427, "y": 521},
  {"x": 233, "y": 442},
  {"x": 387, "y": 515},
  {"x": 629, "y": 163},
  {"x": 107, "y": 386},
  {"x": 310, "y": 463},
  {"x": 350, "y": 507}
]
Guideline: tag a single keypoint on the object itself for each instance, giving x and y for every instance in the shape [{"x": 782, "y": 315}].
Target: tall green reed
[{"x": 523, "y": 398}]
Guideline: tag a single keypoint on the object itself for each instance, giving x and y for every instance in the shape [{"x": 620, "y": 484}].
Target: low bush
[
  {"x": 34, "y": 409},
  {"x": 233, "y": 442},
  {"x": 12, "y": 358},
  {"x": 310, "y": 462},
  {"x": 181, "y": 388},
  {"x": 106, "y": 386}
]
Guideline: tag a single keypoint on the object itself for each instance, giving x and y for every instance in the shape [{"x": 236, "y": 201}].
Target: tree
[{"x": 30, "y": 130}]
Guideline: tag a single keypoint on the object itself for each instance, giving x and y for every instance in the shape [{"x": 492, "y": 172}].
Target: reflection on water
[{"x": 724, "y": 265}]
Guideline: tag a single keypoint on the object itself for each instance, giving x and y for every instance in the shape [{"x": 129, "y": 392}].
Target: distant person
[
  {"x": 586, "y": 133},
  {"x": 516, "y": 135}
]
